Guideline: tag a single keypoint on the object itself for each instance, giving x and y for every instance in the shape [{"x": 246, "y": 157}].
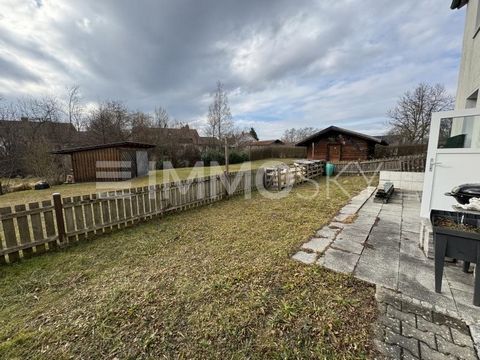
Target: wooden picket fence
[
  {"x": 412, "y": 163},
  {"x": 27, "y": 230}
]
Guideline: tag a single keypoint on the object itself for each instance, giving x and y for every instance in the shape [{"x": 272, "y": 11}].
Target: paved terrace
[{"x": 378, "y": 243}]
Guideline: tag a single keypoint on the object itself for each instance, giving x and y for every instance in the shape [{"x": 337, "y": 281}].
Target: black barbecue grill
[
  {"x": 455, "y": 242},
  {"x": 463, "y": 193}
]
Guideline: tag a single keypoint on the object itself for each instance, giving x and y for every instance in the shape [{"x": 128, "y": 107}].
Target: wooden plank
[
  {"x": 112, "y": 202},
  {"x": 24, "y": 231},
  {"x": 105, "y": 213},
  {"x": 50, "y": 228},
  {"x": 127, "y": 203},
  {"x": 69, "y": 219},
  {"x": 121, "y": 208},
  {"x": 146, "y": 201},
  {"x": 79, "y": 218},
  {"x": 9, "y": 234},
  {"x": 141, "y": 207},
  {"x": 88, "y": 211},
  {"x": 37, "y": 228},
  {"x": 97, "y": 213}
]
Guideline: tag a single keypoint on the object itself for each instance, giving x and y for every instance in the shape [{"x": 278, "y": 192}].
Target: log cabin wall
[{"x": 347, "y": 148}]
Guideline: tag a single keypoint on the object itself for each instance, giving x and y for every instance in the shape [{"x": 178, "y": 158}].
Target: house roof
[
  {"x": 457, "y": 4},
  {"x": 123, "y": 144},
  {"x": 266, "y": 142},
  {"x": 342, "y": 131}
]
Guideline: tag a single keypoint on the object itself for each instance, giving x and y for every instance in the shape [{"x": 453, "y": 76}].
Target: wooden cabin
[
  {"x": 108, "y": 162},
  {"x": 337, "y": 144}
]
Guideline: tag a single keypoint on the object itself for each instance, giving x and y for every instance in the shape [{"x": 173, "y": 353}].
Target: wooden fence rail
[
  {"x": 414, "y": 163},
  {"x": 33, "y": 229}
]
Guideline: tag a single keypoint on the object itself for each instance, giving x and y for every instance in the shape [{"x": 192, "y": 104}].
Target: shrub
[
  {"x": 237, "y": 157},
  {"x": 213, "y": 155}
]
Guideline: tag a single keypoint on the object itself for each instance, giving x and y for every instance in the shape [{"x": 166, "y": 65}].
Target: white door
[{"x": 453, "y": 157}]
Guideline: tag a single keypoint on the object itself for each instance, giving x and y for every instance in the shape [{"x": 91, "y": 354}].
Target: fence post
[{"x": 57, "y": 206}]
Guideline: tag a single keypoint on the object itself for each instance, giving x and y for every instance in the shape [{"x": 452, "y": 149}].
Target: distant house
[
  {"x": 183, "y": 136},
  {"x": 337, "y": 144},
  {"x": 274, "y": 142},
  {"x": 108, "y": 162}
]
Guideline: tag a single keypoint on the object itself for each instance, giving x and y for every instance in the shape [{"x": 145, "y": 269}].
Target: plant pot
[{"x": 456, "y": 243}]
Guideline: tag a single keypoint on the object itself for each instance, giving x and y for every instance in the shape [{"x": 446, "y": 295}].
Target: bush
[
  {"x": 213, "y": 155},
  {"x": 237, "y": 157},
  {"x": 218, "y": 156}
]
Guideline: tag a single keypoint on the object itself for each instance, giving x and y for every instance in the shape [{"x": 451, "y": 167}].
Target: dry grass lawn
[{"x": 213, "y": 283}]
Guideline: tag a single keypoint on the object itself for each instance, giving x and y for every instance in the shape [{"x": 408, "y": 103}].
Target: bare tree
[
  {"x": 219, "y": 120},
  {"x": 410, "y": 118},
  {"x": 74, "y": 107},
  {"x": 161, "y": 117},
  {"x": 293, "y": 136},
  {"x": 108, "y": 122},
  {"x": 141, "y": 125}
]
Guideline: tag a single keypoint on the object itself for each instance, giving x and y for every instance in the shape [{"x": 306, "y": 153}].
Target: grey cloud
[{"x": 295, "y": 60}]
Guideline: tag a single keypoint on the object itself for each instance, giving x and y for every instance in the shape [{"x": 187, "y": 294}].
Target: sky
[{"x": 285, "y": 64}]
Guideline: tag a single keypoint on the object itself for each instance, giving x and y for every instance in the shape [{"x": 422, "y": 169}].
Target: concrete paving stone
[
  {"x": 387, "y": 296},
  {"x": 341, "y": 217},
  {"x": 407, "y": 318},
  {"x": 340, "y": 261},
  {"x": 327, "y": 232},
  {"x": 350, "y": 209},
  {"x": 475, "y": 332},
  {"x": 469, "y": 313},
  {"x": 358, "y": 235},
  {"x": 347, "y": 244},
  {"x": 423, "y": 336},
  {"x": 462, "y": 352},
  {"x": 416, "y": 279},
  {"x": 407, "y": 356},
  {"x": 317, "y": 244},
  {"x": 427, "y": 353},
  {"x": 451, "y": 322},
  {"x": 458, "y": 279},
  {"x": 376, "y": 270},
  {"x": 410, "y": 344},
  {"x": 336, "y": 225},
  {"x": 424, "y": 312},
  {"x": 389, "y": 322},
  {"x": 461, "y": 339},
  {"x": 411, "y": 248},
  {"x": 305, "y": 257},
  {"x": 389, "y": 351},
  {"x": 440, "y": 330}
]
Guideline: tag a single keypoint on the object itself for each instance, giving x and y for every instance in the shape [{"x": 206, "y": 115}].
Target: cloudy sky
[{"x": 284, "y": 63}]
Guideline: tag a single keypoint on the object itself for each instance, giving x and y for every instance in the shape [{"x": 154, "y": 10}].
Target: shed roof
[
  {"x": 123, "y": 144},
  {"x": 342, "y": 131}
]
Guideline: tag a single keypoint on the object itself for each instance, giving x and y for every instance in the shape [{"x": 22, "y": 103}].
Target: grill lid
[{"x": 463, "y": 193}]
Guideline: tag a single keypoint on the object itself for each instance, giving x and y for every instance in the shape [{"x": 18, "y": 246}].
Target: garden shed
[
  {"x": 337, "y": 144},
  {"x": 108, "y": 162}
]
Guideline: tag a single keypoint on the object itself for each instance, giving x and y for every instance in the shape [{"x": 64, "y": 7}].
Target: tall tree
[
  {"x": 410, "y": 118},
  {"x": 253, "y": 133},
  {"x": 74, "y": 108},
  {"x": 108, "y": 123},
  {"x": 219, "y": 120},
  {"x": 161, "y": 117}
]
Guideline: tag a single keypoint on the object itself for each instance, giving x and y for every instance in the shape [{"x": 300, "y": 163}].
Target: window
[{"x": 459, "y": 133}]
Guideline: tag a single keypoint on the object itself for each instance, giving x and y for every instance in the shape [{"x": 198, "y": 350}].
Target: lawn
[
  {"x": 24, "y": 197},
  {"x": 215, "y": 283}
]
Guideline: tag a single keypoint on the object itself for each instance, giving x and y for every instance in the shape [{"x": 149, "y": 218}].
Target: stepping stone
[
  {"x": 317, "y": 244},
  {"x": 327, "y": 232},
  {"x": 339, "y": 261},
  {"x": 305, "y": 257}
]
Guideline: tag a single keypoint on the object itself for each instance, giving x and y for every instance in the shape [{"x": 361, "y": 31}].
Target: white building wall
[{"x": 469, "y": 76}]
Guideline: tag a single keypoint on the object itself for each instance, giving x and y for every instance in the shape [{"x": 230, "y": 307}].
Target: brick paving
[{"x": 407, "y": 330}]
